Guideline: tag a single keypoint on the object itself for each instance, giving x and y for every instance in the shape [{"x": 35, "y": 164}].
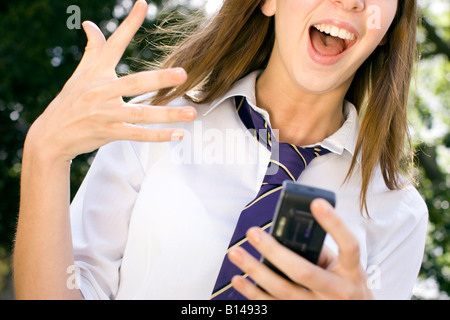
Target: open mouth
[{"x": 329, "y": 40}]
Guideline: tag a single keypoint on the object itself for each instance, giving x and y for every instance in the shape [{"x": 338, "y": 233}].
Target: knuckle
[
  {"x": 159, "y": 135},
  {"x": 352, "y": 247},
  {"x": 138, "y": 134},
  {"x": 252, "y": 270},
  {"x": 171, "y": 77},
  {"x": 89, "y": 92},
  {"x": 300, "y": 274},
  {"x": 132, "y": 82},
  {"x": 286, "y": 292},
  {"x": 102, "y": 133},
  {"x": 90, "y": 96},
  {"x": 137, "y": 114},
  {"x": 97, "y": 114},
  {"x": 175, "y": 115},
  {"x": 160, "y": 77},
  {"x": 350, "y": 292}
]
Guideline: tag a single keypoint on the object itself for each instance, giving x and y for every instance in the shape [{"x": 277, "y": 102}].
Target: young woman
[{"x": 156, "y": 212}]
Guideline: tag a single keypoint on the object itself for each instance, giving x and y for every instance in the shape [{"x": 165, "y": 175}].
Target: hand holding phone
[{"x": 293, "y": 224}]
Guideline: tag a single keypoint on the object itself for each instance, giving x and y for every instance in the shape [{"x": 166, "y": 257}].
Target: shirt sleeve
[
  {"x": 400, "y": 241},
  {"x": 100, "y": 214}
]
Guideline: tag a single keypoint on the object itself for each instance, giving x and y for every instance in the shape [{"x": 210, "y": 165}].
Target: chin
[{"x": 320, "y": 82}]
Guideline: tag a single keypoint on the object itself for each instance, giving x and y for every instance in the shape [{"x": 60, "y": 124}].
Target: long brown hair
[
  {"x": 236, "y": 41},
  {"x": 380, "y": 92},
  {"x": 239, "y": 39}
]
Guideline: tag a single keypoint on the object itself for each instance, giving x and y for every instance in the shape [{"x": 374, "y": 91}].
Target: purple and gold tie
[{"x": 289, "y": 164}]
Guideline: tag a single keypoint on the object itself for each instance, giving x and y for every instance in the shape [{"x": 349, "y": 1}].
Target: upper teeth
[{"x": 335, "y": 31}]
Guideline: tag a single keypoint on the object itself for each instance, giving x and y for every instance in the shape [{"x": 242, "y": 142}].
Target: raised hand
[{"x": 90, "y": 112}]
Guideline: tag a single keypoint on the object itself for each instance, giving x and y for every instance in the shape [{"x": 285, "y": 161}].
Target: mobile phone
[{"x": 293, "y": 224}]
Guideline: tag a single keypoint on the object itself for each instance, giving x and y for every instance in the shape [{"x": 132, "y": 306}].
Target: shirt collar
[
  {"x": 343, "y": 139},
  {"x": 244, "y": 87},
  {"x": 346, "y": 137}
]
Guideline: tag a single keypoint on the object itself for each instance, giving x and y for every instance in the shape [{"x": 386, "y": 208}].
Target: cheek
[
  {"x": 298, "y": 6},
  {"x": 379, "y": 17},
  {"x": 292, "y": 19}
]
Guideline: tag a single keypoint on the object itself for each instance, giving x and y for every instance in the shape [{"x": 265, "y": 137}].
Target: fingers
[
  {"x": 348, "y": 245},
  {"x": 274, "y": 284},
  {"x": 144, "y": 82},
  {"x": 335, "y": 278},
  {"x": 119, "y": 40},
  {"x": 248, "y": 289},
  {"x": 142, "y": 114},
  {"x": 112, "y": 50},
  {"x": 90, "y": 108},
  {"x": 124, "y": 118},
  {"x": 95, "y": 43},
  {"x": 327, "y": 258},
  {"x": 95, "y": 37},
  {"x": 126, "y": 131},
  {"x": 297, "y": 268}
]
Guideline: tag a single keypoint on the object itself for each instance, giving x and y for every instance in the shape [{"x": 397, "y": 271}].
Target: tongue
[{"x": 326, "y": 45}]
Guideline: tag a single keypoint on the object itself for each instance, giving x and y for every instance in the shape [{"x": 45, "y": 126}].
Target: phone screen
[{"x": 294, "y": 226}]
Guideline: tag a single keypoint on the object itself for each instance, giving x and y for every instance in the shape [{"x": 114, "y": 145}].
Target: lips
[{"x": 330, "y": 41}]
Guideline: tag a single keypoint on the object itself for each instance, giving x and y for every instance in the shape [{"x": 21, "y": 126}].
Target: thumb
[
  {"x": 95, "y": 43},
  {"x": 95, "y": 37}
]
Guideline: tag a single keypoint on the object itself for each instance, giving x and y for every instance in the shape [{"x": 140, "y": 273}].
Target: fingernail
[
  {"x": 177, "y": 135},
  {"x": 237, "y": 281},
  {"x": 320, "y": 205},
  {"x": 180, "y": 74},
  {"x": 141, "y": 1},
  {"x": 188, "y": 114},
  {"x": 235, "y": 255},
  {"x": 254, "y": 234}
]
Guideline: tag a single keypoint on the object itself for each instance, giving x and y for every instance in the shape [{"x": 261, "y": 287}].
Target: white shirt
[{"x": 153, "y": 220}]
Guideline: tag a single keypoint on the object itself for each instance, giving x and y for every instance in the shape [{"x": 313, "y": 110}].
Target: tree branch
[{"x": 441, "y": 46}]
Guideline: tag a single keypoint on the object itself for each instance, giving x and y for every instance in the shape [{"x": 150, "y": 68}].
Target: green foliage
[
  {"x": 38, "y": 53},
  {"x": 430, "y": 123}
]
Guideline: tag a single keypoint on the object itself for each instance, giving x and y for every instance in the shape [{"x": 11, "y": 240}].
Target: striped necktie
[{"x": 291, "y": 162}]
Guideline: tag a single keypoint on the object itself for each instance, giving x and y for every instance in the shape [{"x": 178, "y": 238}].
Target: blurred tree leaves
[
  {"x": 38, "y": 53},
  {"x": 430, "y": 123}
]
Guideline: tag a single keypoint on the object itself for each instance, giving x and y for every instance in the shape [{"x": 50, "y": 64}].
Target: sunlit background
[{"x": 38, "y": 54}]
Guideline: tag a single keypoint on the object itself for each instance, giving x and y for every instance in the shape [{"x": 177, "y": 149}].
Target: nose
[{"x": 350, "y": 5}]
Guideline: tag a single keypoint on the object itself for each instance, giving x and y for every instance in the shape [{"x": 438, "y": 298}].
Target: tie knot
[{"x": 287, "y": 160}]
